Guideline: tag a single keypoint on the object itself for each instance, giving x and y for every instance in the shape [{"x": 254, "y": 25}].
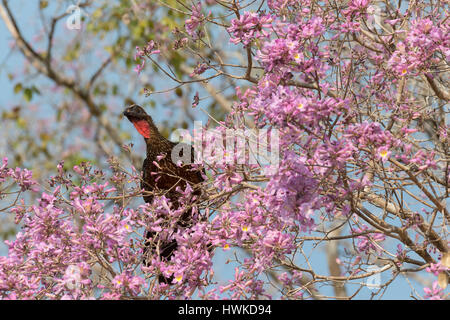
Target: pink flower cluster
[
  {"x": 250, "y": 26},
  {"x": 423, "y": 44},
  {"x": 141, "y": 54},
  {"x": 69, "y": 237},
  {"x": 23, "y": 177},
  {"x": 196, "y": 20}
]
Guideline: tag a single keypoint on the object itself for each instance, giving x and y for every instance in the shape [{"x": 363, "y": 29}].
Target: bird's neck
[
  {"x": 147, "y": 129},
  {"x": 157, "y": 144}
]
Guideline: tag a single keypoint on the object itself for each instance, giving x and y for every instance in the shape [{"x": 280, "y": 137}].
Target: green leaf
[
  {"x": 17, "y": 88},
  {"x": 28, "y": 94},
  {"x": 21, "y": 123},
  {"x": 59, "y": 114},
  {"x": 43, "y": 4},
  {"x": 35, "y": 90}
]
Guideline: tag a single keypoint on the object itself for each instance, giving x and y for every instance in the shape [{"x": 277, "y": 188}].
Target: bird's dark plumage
[{"x": 168, "y": 175}]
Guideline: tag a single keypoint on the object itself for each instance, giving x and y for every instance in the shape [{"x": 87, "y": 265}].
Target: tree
[{"x": 352, "y": 98}]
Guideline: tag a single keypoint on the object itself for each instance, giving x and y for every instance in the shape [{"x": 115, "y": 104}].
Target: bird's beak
[
  {"x": 131, "y": 114},
  {"x": 127, "y": 113}
]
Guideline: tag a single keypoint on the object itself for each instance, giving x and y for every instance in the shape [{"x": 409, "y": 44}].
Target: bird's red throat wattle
[{"x": 142, "y": 127}]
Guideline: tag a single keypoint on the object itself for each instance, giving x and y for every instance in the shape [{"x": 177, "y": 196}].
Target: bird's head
[
  {"x": 135, "y": 112},
  {"x": 140, "y": 119}
]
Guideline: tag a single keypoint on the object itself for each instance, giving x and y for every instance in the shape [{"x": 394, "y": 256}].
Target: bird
[{"x": 161, "y": 175}]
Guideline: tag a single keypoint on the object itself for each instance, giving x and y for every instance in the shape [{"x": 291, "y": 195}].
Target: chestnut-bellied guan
[{"x": 162, "y": 175}]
